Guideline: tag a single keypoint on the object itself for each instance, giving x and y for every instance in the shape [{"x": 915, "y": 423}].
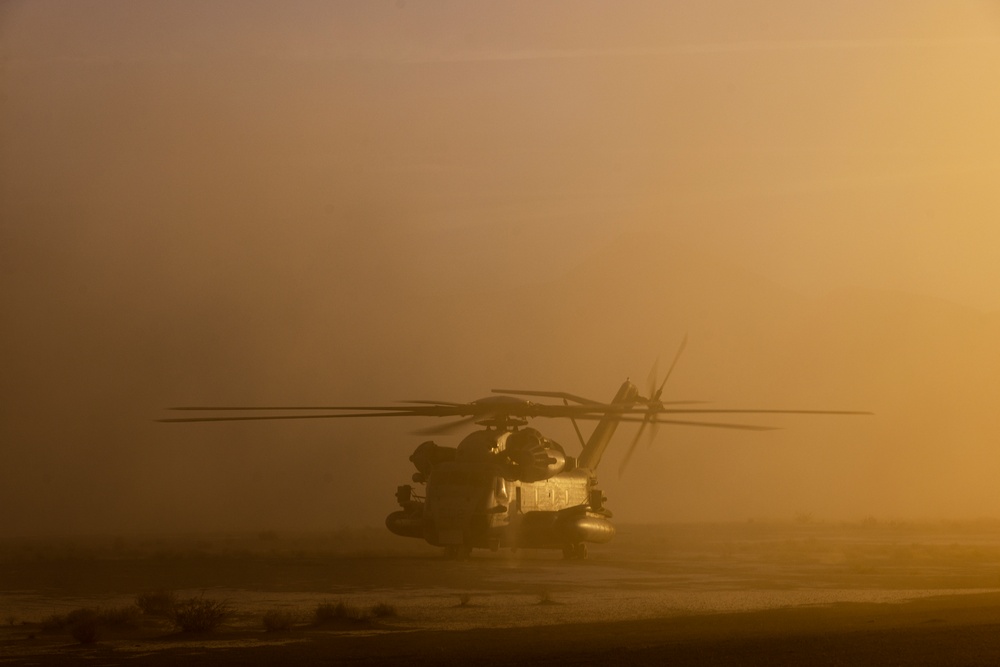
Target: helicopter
[{"x": 506, "y": 485}]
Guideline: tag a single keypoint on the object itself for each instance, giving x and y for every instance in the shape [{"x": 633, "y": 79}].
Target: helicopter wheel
[{"x": 575, "y": 551}]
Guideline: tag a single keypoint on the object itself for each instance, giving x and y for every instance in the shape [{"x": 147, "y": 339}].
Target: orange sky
[{"x": 311, "y": 201}]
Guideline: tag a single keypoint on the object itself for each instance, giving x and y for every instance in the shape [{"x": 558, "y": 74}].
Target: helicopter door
[{"x": 458, "y": 501}]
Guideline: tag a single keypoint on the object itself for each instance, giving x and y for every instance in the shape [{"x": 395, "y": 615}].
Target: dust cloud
[{"x": 343, "y": 203}]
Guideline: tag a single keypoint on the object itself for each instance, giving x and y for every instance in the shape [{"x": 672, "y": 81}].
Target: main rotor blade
[
  {"x": 683, "y": 402},
  {"x": 429, "y": 410},
  {"x": 591, "y": 412},
  {"x": 765, "y": 412},
  {"x": 226, "y": 408},
  {"x": 550, "y": 394},
  {"x": 448, "y": 403},
  {"x": 584, "y": 402},
  {"x": 737, "y": 427},
  {"x": 276, "y": 417},
  {"x": 612, "y": 410},
  {"x": 684, "y": 422}
]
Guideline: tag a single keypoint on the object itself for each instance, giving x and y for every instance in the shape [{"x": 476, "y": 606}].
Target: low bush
[
  {"x": 83, "y": 624},
  {"x": 157, "y": 603},
  {"x": 328, "y": 613},
  {"x": 200, "y": 614},
  {"x": 60, "y": 622}
]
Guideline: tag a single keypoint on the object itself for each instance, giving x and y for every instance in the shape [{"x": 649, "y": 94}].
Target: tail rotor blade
[
  {"x": 671, "y": 369},
  {"x": 653, "y": 430},
  {"x": 651, "y": 381},
  {"x": 631, "y": 448},
  {"x": 654, "y": 405}
]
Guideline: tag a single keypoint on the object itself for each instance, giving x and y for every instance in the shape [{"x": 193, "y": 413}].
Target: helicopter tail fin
[{"x": 592, "y": 452}]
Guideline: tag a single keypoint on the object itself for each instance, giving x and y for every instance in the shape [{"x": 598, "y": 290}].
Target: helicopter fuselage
[{"x": 502, "y": 488}]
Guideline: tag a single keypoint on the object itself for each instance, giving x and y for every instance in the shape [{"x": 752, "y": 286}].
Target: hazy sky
[{"x": 318, "y": 202}]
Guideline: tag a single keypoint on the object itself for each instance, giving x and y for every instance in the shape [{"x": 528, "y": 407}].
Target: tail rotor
[{"x": 653, "y": 406}]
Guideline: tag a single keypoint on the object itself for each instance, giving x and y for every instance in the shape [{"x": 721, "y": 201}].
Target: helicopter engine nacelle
[
  {"x": 429, "y": 454},
  {"x": 532, "y": 457}
]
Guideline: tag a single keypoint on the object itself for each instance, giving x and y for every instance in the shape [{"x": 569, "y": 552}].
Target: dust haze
[{"x": 343, "y": 203}]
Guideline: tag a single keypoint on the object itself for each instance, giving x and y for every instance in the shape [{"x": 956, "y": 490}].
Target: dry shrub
[
  {"x": 82, "y": 623},
  {"x": 200, "y": 614},
  {"x": 356, "y": 615},
  {"x": 328, "y": 613},
  {"x": 157, "y": 603},
  {"x": 59, "y": 622},
  {"x": 278, "y": 620},
  {"x": 86, "y": 625}
]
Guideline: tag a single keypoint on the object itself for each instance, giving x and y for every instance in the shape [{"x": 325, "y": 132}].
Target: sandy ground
[{"x": 794, "y": 593}]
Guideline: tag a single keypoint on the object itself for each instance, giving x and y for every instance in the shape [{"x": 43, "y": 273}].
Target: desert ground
[{"x": 797, "y": 592}]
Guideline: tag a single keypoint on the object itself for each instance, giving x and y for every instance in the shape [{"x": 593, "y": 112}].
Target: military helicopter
[{"x": 507, "y": 485}]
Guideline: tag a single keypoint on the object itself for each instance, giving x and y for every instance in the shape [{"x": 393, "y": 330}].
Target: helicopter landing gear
[
  {"x": 575, "y": 551},
  {"x": 457, "y": 552}
]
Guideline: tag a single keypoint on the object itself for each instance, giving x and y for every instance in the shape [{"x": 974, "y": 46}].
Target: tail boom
[{"x": 592, "y": 452}]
